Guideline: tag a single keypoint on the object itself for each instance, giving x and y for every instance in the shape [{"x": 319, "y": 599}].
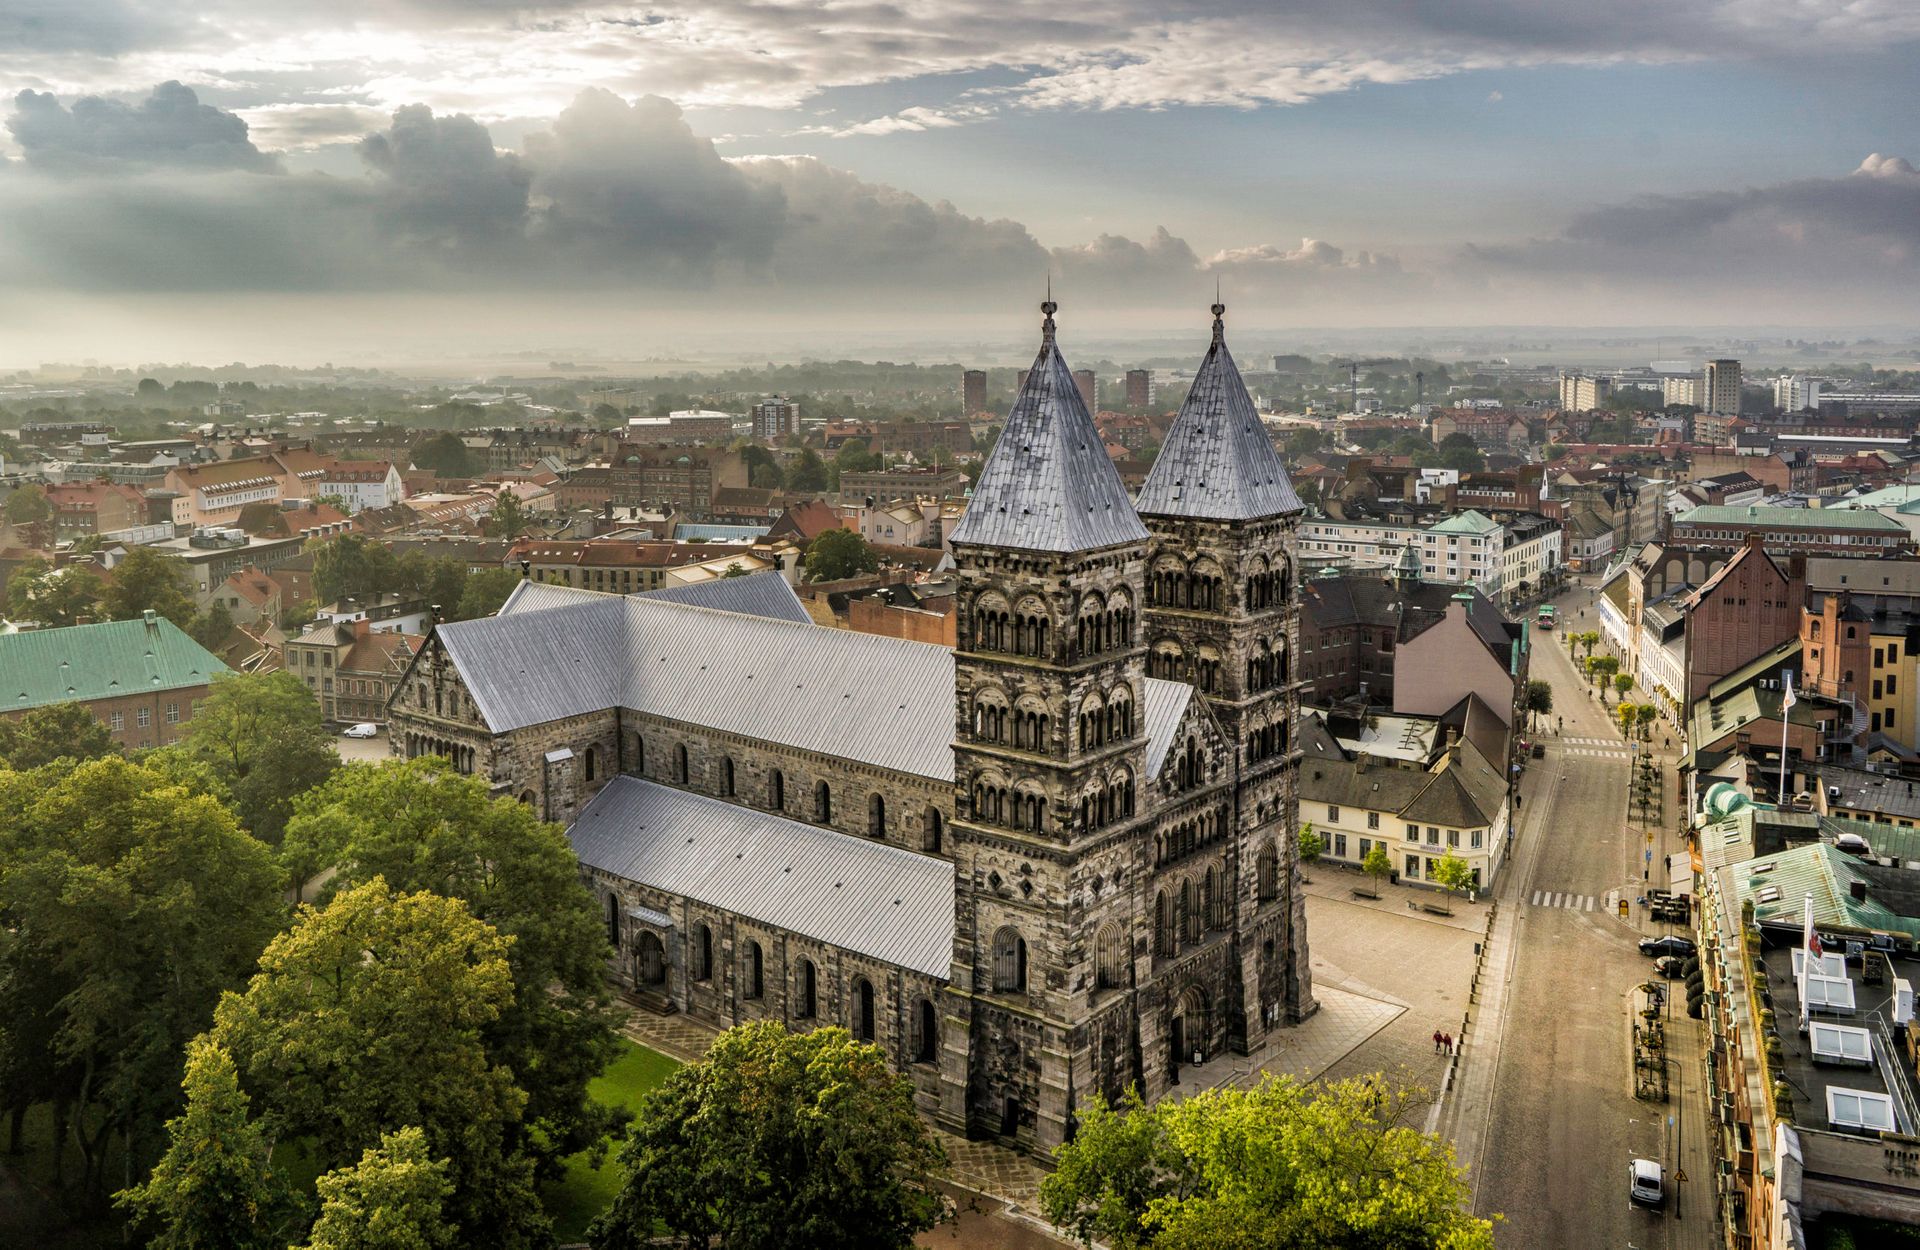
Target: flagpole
[
  {"x": 1806, "y": 960},
  {"x": 1786, "y": 705}
]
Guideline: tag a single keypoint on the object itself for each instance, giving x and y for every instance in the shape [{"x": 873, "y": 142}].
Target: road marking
[{"x": 1564, "y": 901}]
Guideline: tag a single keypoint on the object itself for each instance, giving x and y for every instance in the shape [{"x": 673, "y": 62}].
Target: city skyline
[{"x": 410, "y": 176}]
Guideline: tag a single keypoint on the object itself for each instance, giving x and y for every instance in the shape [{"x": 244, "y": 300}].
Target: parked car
[
  {"x": 1646, "y": 1184},
  {"x": 365, "y": 729},
  {"x": 1672, "y": 967},
  {"x": 1666, "y": 946}
]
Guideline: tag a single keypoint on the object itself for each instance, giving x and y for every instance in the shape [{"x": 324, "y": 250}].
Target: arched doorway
[
  {"x": 1187, "y": 1032},
  {"x": 650, "y": 964}
]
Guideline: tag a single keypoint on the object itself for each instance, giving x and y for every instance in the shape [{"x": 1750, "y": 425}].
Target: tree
[
  {"x": 55, "y": 597},
  {"x": 45, "y": 734},
  {"x": 778, "y": 1139},
  {"x": 1648, "y": 714},
  {"x": 419, "y": 825},
  {"x": 1451, "y": 874},
  {"x": 147, "y": 579},
  {"x": 1588, "y": 641},
  {"x": 210, "y": 628},
  {"x": 262, "y": 736},
  {"x": 445, "y": 454},
  {"x": 1539, "y": 700},
  {"x": 215, "y": 1188},
  {"x": 1282, "y": 1164},
  {"x": 1460, "y": 452},
  {"x": 1623, "y": 683},
  {"x": 366, "y": 1017},
  {"x": 808, "y": 474},
  {"x": 508, "y": 516},
  {"x": 838, "y": 554},
  {"x": 390, "y": 1200},
  {"x": 1312, "y": 845},
  {"x": 28, "y": 506},
  {"x": 1378, "y": 865},
  {"x": 1628, "y": 716},
  {"x": 1603, "y": 668},
  {"x": 131, "y": 904},
  {"x": 353, "y": 566},
  {"x": 484, "y": 593}
]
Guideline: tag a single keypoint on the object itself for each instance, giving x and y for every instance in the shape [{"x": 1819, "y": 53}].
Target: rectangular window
[
  {"x": 117, "y": 721},
  {"x": 1413, "y": 833},
  {"x": 1876, "y": 688},
  {"x": 1413, "y": 867},
  {"x": 1333, "y": 813},
  {"x": 1476, "y": 839},
  {"x": 143, "y": 717},
  {"x": 1453, "y": 837},
  {"x": 1339, "y": 846},
  {"x": 173, "y": 713},
  {"x": 1373, "y": 820},
  {"x": 1433, "y": 836}
]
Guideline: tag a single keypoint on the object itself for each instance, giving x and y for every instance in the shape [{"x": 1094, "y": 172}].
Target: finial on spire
[
  {"x": 1219, "y": 312},
  {"x": 1048, "y": 308}
]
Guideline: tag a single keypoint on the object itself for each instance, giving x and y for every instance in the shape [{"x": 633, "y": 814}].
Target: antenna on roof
[{"x": 1048, "y": 308}]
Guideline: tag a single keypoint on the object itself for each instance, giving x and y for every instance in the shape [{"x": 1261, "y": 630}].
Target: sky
[{"x": 292, "y": 179}]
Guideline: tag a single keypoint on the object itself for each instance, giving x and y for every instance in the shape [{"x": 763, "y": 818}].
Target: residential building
[
  {"x": 808, "y": 825},
  {"x": 1681, "y": 391},
  {"x": 883, "y": 486},
  {"x": 1580, "y": 392},
  {"x": 1796, "y": 392},
  {"x": 83, "y": 509},
  {"x": 675, "y": 479},
  {"x": 1492, "y": 430},
  {"x": 1139, "y": 388},
  {"x": 351, "y": 666},
  {"x": 777, "y": 419},
  {"x": 1720, "y": 388},
  {"x": 1502, "y": 558},
  {"x": 142, "y": 678},
  {"x": 214, "y": 494},
  {"x": 614, "y": 565},
  {"x": 973, "y": 391},
  {"x": 1089, "y": 387}
]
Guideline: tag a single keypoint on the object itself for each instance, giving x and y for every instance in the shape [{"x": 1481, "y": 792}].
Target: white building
[
  {"x": 1680, "y": 391},
  {"x": 362, "y": 484},
  {"x": 1469, "y": 548},
  {"x": 1581, "y": 392},
  {"x": 1794, "y": 392},
  {"x": 1720, "y": 388}
]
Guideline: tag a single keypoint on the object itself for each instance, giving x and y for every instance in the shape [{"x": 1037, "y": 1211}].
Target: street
[{"x": 1543, "y": 1111}]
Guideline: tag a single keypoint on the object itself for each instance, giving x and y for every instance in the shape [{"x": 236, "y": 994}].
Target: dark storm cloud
[
  {"x": 170, "y": 128},
  {"x": 442, "y": 181}
]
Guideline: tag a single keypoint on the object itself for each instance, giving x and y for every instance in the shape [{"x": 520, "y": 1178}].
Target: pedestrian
[
  {"x": 1446, "y": 1043},
  {"x": 1436, "y": 1041}
]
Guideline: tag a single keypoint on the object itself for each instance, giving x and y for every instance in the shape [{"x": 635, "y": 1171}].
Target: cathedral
[{"x": 1053, "y": 862}]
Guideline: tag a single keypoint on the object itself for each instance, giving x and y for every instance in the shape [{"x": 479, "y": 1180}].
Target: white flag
[{"x": 1787, "y": 680}]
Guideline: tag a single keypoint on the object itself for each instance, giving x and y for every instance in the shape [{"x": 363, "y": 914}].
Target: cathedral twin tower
[{"x": 1127, "y": 898}]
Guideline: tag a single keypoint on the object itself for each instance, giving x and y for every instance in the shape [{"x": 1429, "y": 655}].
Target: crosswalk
[
  {"x": 1592, "y": 748},
  {"x": 1567, "y": 902},
  {"x": 1596, "y": 753},
  {"x": 1590, "y": 742}
]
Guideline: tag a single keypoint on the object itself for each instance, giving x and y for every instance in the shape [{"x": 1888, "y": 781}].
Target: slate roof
[
  {"x": 766, "y": 593},
  {"x": 861, "y": 697},
  {"x": 1217, "y": 462},
  {"x": 1757, "y": 517},
  {"x": 1467, "y": 792},
  {"x": 864, "y": 896},
  {"x": 104, "y": 661},
  {"x": 1048, "y": 485}
]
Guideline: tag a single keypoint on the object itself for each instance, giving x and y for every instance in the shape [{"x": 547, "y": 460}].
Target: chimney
[
  {"x": 362, "y": 627},
  {"x": 1858, "y": 889},
  {"x": 152, "y": 618}
]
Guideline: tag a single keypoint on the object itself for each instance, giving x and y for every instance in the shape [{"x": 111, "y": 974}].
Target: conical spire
[
  {"x": 1048, "y": 484},
  {"x": 1218, "y": 463}
]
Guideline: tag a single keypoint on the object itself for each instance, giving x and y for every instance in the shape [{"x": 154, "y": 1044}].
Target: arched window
[
  {"x": 1210, "y": 900},
  {"x": 726, "y": 776},
  {"x": 755, "y": 971},
  {"x": 1109, "y": 956},
  {"x": 822, "y": 802},
  {"x": 931, "y": 830},
  {"x": 702, "y": 952},
  {"x": 1268, "y": 871},
  {"x": 1189, "y": 911},
  {"x": 639, "y": 755},
  {"x": 1162, "y": 925},
  {"x": 1009, "y": 961},
  {"x": 806, "y": 990},
  {"x": 680, "y": 762},
  {"x": 926, "y": 1033},
  {"x": 863, "y": 1009},
  {"x": 777, "y": 790},
  {"x": 593, "y": 762},
  {"x": 526, "y": 796},
  {"x": 877, "y": 816},
  {"x": 613, "y": 920}
]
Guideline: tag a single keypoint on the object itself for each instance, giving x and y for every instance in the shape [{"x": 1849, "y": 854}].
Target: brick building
[
  {"x": 1026, "y": 868},
  {"x": 351, "y": 667},
  {"x": 142, "y": 678},
  {"x": 1808, "y": 531},
  {"x": 672, "y": 479}
]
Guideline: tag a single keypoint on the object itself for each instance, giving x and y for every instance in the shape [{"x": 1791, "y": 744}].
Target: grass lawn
[{"x": 583, "y": 1192}]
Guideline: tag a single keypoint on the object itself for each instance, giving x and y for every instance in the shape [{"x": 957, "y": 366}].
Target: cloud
[
  {"x": 442, "y": 182},
  {"x": 1494, "y": 97},
  {"x": 1878, "y": 166},
  {"x": 294, "y": 126},
  {"x": 169, "y": 128}
]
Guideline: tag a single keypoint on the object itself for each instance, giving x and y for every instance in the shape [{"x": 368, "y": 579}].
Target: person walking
[
  {"x": 1436, "y": 1041},
  {"x": 1447, "y": 1043}
]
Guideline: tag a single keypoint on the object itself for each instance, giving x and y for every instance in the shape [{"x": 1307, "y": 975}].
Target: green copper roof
[
  {"x": 1468, "y": 522},
  {"x": 100, "y": 662},
  {"x": 1791, "y": 518}
]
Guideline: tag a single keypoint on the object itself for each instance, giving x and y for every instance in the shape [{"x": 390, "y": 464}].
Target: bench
[
  {"x": 1436, "y": 909},
  {"x": 1360, "y": 893}
]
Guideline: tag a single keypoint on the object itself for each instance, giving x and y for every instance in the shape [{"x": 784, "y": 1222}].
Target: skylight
[
  {"x": 1859, "y": 1109},
  {"x": 1840, "y": 1043}
]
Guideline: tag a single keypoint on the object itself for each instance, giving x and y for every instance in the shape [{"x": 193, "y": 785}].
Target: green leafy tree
[
  {"x": 445, "y": 455},
  {"x": 1378, "y": 865},
  {"x": 807, "y": 474},
  {"x": 149, "y": 580},
  {"x": 45, "y": 734},
  {"x": 779, "y": 1140},
  {"x": 837, "y": 554},
  {"x": 390, "y": 1200},
  {"x": 1282, "y": 1164},
  {"x": 1312, "y": 845},
  {"x": 1603, "y": 667},
  {"x": 215, "y": 1188},
  {"x": 485, "y": 591},
  {"x": 210, "y": 628},
  {"x": 419, "y": 825},
  {"x": 1539, "y": 697},
  {"x": 353, "y": 566},
  {"x": 508, "y": 516},
  {"x": 853, "y": 457},
  {"x": 1460, "y": 452},
  {"x": 1452, "y": 874},
  {"x": 367, "y": 1017},
  {"x": 1623, "y": 683},
  {"x": 262, "y": 736},
  {"x": 131, "y": 904},
  {"x": 55, "y": 597},
  {"x": 28, "y": 506}
]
